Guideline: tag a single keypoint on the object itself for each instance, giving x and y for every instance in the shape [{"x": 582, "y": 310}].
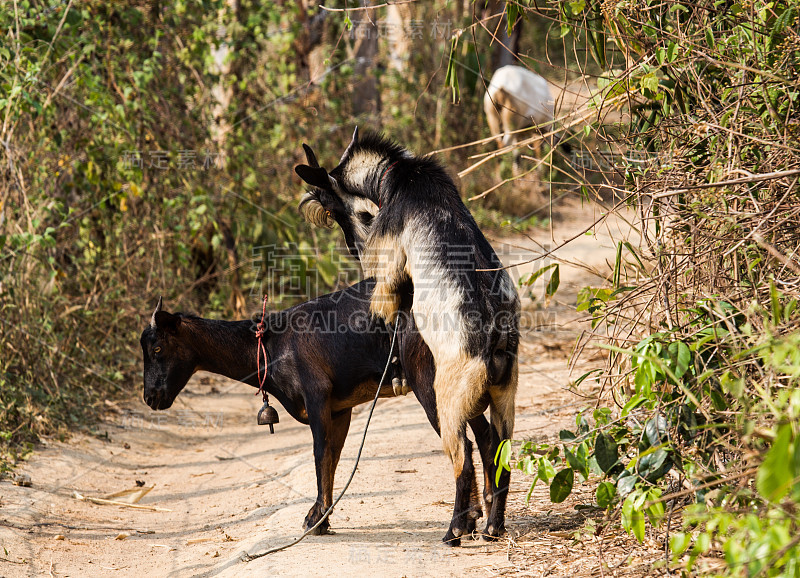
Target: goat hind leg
[
  {"x": 457, "y": 384},
  {"x": 463, "y": 521},
  {"x": 502, "y": 427}
]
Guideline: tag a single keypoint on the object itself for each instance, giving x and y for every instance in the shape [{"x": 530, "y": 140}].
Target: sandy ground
[{"x": 224, "y": 485}]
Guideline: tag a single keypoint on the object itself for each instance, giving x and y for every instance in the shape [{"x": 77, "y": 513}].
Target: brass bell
[{"x": 268, "y": 415}]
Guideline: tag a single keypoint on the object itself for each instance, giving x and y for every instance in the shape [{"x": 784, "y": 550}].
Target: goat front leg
[
  {"x": 385, "y": 259},
  {"x": 329, "y": 433}
]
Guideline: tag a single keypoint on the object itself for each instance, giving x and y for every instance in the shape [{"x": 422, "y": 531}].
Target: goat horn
[
  {"x": 153, "y": 318},
  {"x": 349, "y": 148},
  {"x": 311, "y": 157},
  {"x": 313, "y": 211}
]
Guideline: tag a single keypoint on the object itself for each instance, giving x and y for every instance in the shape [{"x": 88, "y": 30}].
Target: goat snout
[{"x": 157, "y": 400}]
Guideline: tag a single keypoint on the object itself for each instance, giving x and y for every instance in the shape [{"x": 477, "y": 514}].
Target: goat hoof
[
  {"x": 321, "y": 531},
  {"x": 490, "y": 534},
  {"x": 451, "y": 540},
  {"x": 475, "y": 513}
]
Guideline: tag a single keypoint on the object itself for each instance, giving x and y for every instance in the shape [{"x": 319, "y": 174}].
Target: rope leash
[
  {"x": 267, "y": 414},
  {"x": 261, "y": 329},
  {"x": 245, "y": 557}
]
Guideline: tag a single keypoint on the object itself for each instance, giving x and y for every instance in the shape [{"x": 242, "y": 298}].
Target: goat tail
[{"x": 313, "y": 211}]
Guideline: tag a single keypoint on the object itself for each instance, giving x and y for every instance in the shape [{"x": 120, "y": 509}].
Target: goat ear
[
  {"x": 167, "y": 321},
  {"x": 349, "y": 149},
  {"x": 311, "y": 157},
  {"x": 314, "y": 176}
]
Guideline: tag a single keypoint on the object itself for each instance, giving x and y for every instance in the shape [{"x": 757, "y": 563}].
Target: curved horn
[
  {"x": 349, "y": 148},
  {"x": 153, "y": 318},
  {"x": 311, "y": 157},
  {"x": 313, "y": 211}
]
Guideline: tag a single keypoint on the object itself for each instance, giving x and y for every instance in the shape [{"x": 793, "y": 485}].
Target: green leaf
[
  {"x": 577, "y": 7},
  {"x": 710, "y": 38},
  {"x": 633, "y": 252},
  {"x": 680, "y": 352},
  {"x": 583, "y": 377},
  {"x": 513, "y": 13},
  {"x": 578, "y": 460},
  {"x": 649, "y": 82},
  {"x": 775, "y": 302},
  {"x": 632, "y": 518},
  {"x": 618, "y": 264},
  {"x": 561, "y": 486},
  {"x": 656, "y": 429},
  {"x": 552, "y": 286},
  {"x": 655, "y": 513},
  {"x": 546, "y": 470},
  {"x": 536, "y": 274},
  {"x": 678, "y": 542},
  {"x": 451, "y": 78},
  {"x": 502, "y": 459},
  {"x": 671, "y": 51},
  {"x": 602, "y": 415},
  {"x": 775, "y": 474},
  {"x": 626, "y": 484},
  {"x": 606, "y": 452},
  {"x": 565, "y": 435},
  {"x": 605, "y": 494}
]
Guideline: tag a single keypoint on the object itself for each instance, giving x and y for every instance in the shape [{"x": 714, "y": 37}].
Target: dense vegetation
[{"x": 698, "y": 408}]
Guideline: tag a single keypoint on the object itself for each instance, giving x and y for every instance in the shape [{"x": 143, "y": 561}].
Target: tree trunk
[
  {"x": 364, "y": 51},
  {"x": 506, "y": 47},
  {"x": 221, "y": 92},
  {"x": 401, "y": 31}
]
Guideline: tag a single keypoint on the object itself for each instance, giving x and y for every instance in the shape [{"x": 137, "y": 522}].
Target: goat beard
[{"x": 313, "y": 211}]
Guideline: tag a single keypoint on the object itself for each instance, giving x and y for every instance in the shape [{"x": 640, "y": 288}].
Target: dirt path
[{"x": 228, "y": 486}]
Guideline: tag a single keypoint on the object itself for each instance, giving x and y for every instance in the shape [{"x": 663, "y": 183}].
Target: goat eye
[
  {"x": 365, "y": 217},
  {"x": 157, "y": 350}
]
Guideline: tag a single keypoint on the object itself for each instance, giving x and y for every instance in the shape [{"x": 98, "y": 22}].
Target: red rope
[
  {"x": 261, "y": 329},
  {"x": 380, "y": 181}
]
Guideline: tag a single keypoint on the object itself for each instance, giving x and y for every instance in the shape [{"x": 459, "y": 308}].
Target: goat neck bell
[{"x": 268, "y": 415}]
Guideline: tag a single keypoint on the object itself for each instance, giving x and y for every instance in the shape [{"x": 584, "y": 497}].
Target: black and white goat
[
  {"x": 326, "y": 356},
  {"x": 404, "y": 219}
]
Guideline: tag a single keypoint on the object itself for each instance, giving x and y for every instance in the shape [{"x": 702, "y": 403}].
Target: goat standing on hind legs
[{"x": 407, "y": 223}]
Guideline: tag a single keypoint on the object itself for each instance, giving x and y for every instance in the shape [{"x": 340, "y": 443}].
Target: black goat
[{"x": 326, "y": 356}]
